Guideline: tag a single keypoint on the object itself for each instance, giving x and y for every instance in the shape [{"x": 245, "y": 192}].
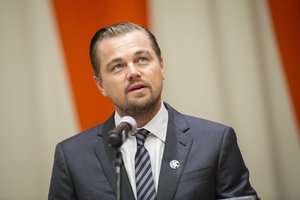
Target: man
[{"x": 184, "y": 157}]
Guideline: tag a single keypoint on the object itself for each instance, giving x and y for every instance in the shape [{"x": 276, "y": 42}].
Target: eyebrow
[
  {"x": 113, "y": 61},
  {"x": 141, "y": 52}
]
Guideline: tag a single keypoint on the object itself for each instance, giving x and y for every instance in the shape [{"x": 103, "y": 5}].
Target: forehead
[{"x": 127, "y": 42}]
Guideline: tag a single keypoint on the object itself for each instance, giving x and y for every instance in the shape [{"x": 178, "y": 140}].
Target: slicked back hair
[{"x": 114, "y": 31}]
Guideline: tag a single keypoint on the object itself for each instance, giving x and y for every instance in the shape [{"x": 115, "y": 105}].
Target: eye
[
  {"x": 116, "y": 68},
  {"x": 142, "y": 60}
]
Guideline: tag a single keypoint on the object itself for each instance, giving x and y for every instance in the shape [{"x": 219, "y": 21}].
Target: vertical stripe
[
  {"x": 77, "y": 22},
  {"x": 286, "y": 23}
]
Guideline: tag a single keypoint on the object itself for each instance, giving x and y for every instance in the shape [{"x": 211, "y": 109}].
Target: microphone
[{"x": 118, "y": 135}]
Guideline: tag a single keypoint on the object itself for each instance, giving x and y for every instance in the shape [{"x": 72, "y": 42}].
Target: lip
[{"x": 136, "y": 87}]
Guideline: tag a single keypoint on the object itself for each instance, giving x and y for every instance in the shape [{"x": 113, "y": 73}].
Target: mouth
[{"x": 136, "y": 87}]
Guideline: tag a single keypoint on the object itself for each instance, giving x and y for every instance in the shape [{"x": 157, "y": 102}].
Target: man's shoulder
[
  {"x": 204, "y": 123},
  {"x": 85, "y": 137},
  {"x": 194, "y": 122}
]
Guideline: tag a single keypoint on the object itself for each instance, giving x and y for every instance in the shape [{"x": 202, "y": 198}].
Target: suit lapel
[
  {"x": 177, "y": 147},
  {"x": 106, "y": 156}
]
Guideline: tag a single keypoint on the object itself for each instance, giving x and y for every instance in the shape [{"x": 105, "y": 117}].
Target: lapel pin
[{"x": 174, "y": 164}]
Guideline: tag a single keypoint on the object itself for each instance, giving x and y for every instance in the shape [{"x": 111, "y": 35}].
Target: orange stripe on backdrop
[
  {"x": 77, "y": 22},
  {"x": 286, "y": 21}
]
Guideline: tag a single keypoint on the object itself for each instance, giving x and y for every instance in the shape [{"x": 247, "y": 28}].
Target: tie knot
[{"x": 141, "y": 136}]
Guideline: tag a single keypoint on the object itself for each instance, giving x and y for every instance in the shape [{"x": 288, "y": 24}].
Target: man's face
[{"x": 131, "y": 73}]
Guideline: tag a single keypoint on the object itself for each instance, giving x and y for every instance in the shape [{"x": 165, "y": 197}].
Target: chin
[{"x": 142, "y": 106}]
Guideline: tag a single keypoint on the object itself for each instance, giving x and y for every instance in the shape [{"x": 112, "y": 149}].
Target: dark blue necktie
[{"x": 145, "y": 187}]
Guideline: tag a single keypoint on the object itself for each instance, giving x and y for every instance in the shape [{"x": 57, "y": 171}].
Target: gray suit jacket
[{"x": 211, "y": 165}]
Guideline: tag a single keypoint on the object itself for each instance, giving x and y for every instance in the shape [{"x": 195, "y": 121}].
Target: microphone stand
[
  {"x": 115, "y": 141},
  {"x": 119, "y": 165}
]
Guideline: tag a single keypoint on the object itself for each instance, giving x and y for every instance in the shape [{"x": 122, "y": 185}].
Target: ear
[
  {"x": 162, "y": 65},
  {"x": 99, "y": 84}
]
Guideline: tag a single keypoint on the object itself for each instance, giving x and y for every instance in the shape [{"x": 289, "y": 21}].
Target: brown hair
[{"x": 113, "y": 31}]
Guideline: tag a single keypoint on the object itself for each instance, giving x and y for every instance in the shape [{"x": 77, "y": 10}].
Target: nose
[{"x": 133, "y": 72}]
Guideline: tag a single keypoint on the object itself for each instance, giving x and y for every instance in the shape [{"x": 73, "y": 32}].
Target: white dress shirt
[{"x": 154, "y": 143}]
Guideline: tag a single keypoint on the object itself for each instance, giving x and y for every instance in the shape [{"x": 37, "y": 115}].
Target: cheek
[
  {"x": 114, "y": 90},
  {"x": 159, "y": 77}
]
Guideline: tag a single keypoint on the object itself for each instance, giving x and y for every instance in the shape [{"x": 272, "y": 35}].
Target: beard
[
  {"x": 136, "y": 108},
  {"x": 141, "y": 105}
]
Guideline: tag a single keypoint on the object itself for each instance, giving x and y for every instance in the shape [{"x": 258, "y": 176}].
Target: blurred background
[{"x": 235, "y": 61}]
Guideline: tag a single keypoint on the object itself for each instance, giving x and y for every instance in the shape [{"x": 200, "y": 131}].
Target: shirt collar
[{"x": 157, "y": 125}]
